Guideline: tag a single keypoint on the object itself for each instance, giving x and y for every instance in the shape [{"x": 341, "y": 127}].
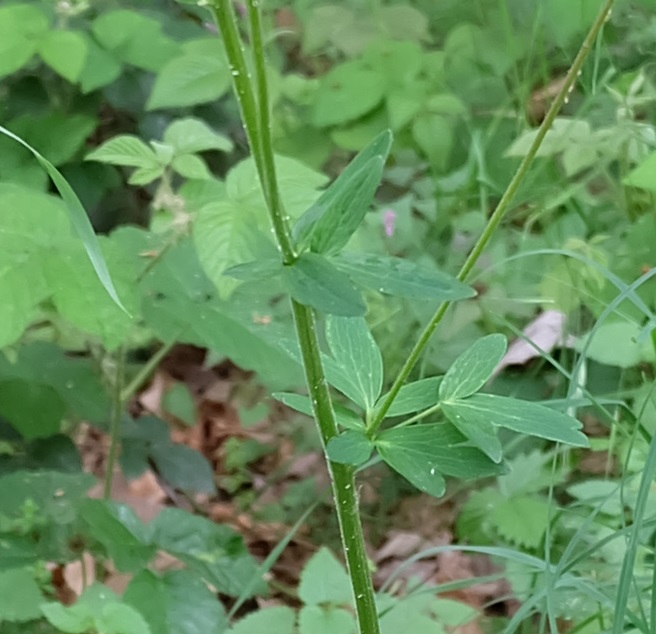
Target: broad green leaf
[
  {"x": 101, "y": 68},
  {"x": 402, "y": 278},
  {"x": 191, "y": 166},
  {"x": 644, "y": 175},
  {"x": 65, "y": 52},
  {"x": 344, "y": 416},
  {"x": 192, "y": 78},
  {"x": 183, "y": 468},
  {"x": 256, "y": 270},
  {"x": 481, "y": 432},
  {"x": 35, "y": 411},
  {"x": 473, "y": 368},
  {"x": 179, "y": 402},
  {"x": 176, "y": 603},
  {"x": 21, "y": 28},
  {"x": 127, "y": 150},
  {"x": 215, "y": 552},
  {"x": 356, "y": 353},
  {"x": 616, "y": 344},
  {"x": 347, "y": 92},
  {"x": 414, "y": 397},
  {"x": 434, "y": 134},
  {"x": 21, "y": 596},
  {"x": 422, "y": 453},
  {"x": 350, "y": 447},
  {"x": 324, "y": 580},
  {"x": 117, "y": 528},
  {"x": 313, "y": 619},
  {"x": 135, "y": 39},
  {"x": 339, "y": 200},
  {"x": 56, "y": 134},
  {"x": 74, "y": 379},
  {"x": 523, "y": 417},
  {"x": 279, "y": 619},
  {"x": 312, "y": 280},
  {"x": 522, "y": 519},
  {"x": 78, "y": 218},
  {"x": 190, "y": 135}
]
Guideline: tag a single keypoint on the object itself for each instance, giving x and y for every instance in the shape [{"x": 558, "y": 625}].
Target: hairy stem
[
  {"x": 253, "y": 102},
  {"x": 501, "y": 210}
]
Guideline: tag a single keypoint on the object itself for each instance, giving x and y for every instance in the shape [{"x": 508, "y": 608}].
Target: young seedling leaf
[
  {"x": 329, "y": 223},
  {"x": 344, "y": 416},
  {"x": 523, "y": 417},
  {"x": 472, "y": 369},
  {"x": 350, "y": 447},
  {"x": 190, "y": 135},
  {"x": 401, "y": 278},
  {"x": 312, "y": 280},
  {"x": 481, "y": 432},
  {"x": 422, "y": 453},
  {"x": 414, "y": 397},
  {"x": 356, "y": 353}
]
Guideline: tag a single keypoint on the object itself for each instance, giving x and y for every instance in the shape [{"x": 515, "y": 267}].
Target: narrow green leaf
[
  {"x": 523, "y": 417},
  {"x": 414, "y": 397},
  {"x": 341, "y": 200},
  {"x": 402, "y": 278},
  {"x": 472, "y": 369},
  {"x": 357, "y": 354},
  {"x": 345, "y": 417},
  {"x": 78, "y": 218},
  {"x": 481, "y": 432},
  {"x": 127, "y": 150},
  {"x": 312, "y": 280},
  {"x": 422, "y": 453},
  {"x": 350, "y": 447}
]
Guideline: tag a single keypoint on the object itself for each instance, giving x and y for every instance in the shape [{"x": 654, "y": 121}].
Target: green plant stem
[
  {"x": 255, "y": 113},
  {"x": 144, "y": 373},
  {"x": 497, "y": 216},
  {"x": 114, "y": 423}
]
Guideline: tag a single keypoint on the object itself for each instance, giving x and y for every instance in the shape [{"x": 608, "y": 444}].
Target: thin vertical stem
[
  {"x": 256, "y": 118},
  {"x": 115, "y": 422},
  {"x": 497, "y": 216}
]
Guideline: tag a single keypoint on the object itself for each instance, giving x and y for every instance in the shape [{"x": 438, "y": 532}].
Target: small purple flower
[{"x": 389, "y": 222}]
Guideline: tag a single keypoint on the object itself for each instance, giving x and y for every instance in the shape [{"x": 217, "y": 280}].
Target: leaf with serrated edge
[
  {"x": 472, "y": 369},
  {"x": 357, "y": 354},
  {"x": 421, "y": 453},
  {"x": 324, "y": 580},
  {"x": 125, "y": 149},
  {"x": 523, "y": 417},
  {"x": 401, "y": 278}
]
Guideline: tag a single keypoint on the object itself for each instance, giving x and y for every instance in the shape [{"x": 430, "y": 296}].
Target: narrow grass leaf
[
  {"x": 472, "y": 369},
  {"x": 356, "y": 353},
  {"x": 401, "y": 278},
  {"x": 313, "y": 281},
  {"x": 78, "y": 218}
]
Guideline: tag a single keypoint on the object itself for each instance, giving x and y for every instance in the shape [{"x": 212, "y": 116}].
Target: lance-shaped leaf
[
  {"x": 525, "y": 417},
  {"x": 343, "y": 415},
  {"x": 414, "y": 397},
  {"x": 423, "y": 454},
  {"x": 472, "y": 369},
  {"x": 402, "y": 278},
  {"x": 356, "y": 354},
  {"x": 329, "y": 224},
  {"x": 312, "y": 280}
]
